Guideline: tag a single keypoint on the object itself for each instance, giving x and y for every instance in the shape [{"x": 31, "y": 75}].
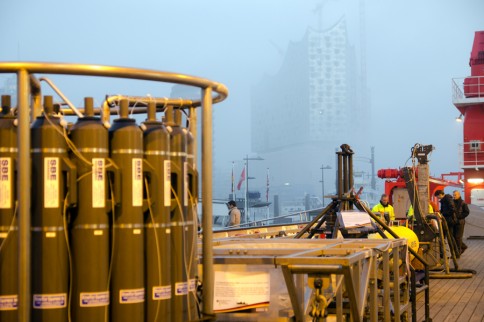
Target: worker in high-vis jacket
[
  {"x": 411, "y": 212},
  {"x": 384, "y": 209}
]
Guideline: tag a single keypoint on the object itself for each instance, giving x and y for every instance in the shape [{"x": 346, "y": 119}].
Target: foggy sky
[{"x": 414, "y": 48}]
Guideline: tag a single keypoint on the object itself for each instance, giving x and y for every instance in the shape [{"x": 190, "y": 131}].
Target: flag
[
  {"x": 233, "y": 181},
  {"x": 267, "y": 186},
  {"x": 242, "y": 179}
]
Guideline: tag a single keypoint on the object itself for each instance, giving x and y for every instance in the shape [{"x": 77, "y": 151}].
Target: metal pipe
[
  {"x": 23, "y": 190},
  {"x": 340, "y": 175},
  {"x": 121, "y": 72},
  {"x": 350, "y": 171},
  {"x": 36, "y": 97},
  {"x": 345, "y": 174},
  {"x": 207, "y": 262},
  {"x": 59, "y": 92},
  {"x": 194, "y": 130}
]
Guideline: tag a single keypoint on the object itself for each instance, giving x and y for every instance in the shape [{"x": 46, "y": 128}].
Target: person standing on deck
[
  {"x": 462, "y": 211},
  {"x": 384, "y": 209},
  {"x": 447, "y": 209},
  {"x": 234, "y": 214}
]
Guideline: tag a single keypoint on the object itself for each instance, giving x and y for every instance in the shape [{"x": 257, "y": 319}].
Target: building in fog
[{"x": 314, "y": 103}]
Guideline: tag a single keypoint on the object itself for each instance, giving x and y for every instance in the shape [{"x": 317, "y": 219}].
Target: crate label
[
  {"x": 51, "y": 182},
  {"x": 5, "y": 183},
  {"x": 50, "y": 301},
  {"x": 93, "y": 299},
  {"x": 162, "y": 292},
  {"x": 8, "y": 302},
  {"x": 136, "y": 295},
  {"x": 137, "y": 166},
  {"x": 167, "y": 183},
  {"x": 98, "y": 183},
  {"x": 181, "y": 288}
]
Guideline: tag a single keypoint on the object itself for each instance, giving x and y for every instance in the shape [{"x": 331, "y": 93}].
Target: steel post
[
  {"x": 207, "y": 248},
  {"x": 23, "y": 189},
  {"x": 340, "y": 176}
]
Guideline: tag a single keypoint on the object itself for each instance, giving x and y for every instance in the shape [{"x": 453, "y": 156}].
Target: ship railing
[
  {"x": 471, "y": 154},
  {"x": 468, "y": 90},
  {"x": 296, "y": 217}
]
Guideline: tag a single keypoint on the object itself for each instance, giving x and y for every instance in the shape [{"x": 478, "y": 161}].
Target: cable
[
  {"x": 11, "y": 227},
  {"x": 113, "y": 217},
  {"x": 184, "y": 248},
  {"x": 69, "y": 256},
  {"x": 70, "y": 144},
  {"x": 194, "y": 241},
  {"x": 157, "y": 244}
]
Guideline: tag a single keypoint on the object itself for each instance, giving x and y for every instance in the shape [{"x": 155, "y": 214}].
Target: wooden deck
[{"x": 458, "y": 299}]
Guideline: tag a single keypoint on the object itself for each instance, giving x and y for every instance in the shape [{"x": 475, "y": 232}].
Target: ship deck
[{"x": 460, "y": 299}]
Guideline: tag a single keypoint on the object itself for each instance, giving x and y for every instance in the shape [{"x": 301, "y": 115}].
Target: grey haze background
[{"x": 414, "y": 48}]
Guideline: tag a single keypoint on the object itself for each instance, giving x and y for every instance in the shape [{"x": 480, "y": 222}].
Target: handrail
[
  {"x": 118, "y": 72},
  {"x": 467, "y": 88},
  {"x": 471, "y": 154},
  {"x": 301, "y": 214}
]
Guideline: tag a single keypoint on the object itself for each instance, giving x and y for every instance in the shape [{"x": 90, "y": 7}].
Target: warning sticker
[
  {"x": 93, "y": 299},
  {"x": 136, "y": 295},
  {"x": 5, "y": 183},
  {"x": 98, "y": 183},
  {"x": 8, "y": 302},
  {"x": 192, "y": 285},
  {"x": 51, "y": 182},
  {"x": 50, "y": 301},
  {"x": 181, "y": 288},
  {"x": 162, "y": 292},
  {"x": 167, "y": 183},
  {"x": 137, "y": 166}
]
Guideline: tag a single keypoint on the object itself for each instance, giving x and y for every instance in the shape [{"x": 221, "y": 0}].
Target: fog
[{"x": 413, "y": 50}]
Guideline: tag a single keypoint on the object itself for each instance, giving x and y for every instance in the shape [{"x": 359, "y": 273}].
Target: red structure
[
  {"x": 468, "y": 98},
  {"x": 396, "y": 189}
]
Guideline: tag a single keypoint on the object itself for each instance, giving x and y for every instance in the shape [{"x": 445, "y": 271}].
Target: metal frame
[
  {"x": 355, "y": 261},
  {"x": 28, "y": 85}
]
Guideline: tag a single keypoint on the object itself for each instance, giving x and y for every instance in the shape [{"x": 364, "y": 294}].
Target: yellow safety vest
[{"x": 389, "y": 209}]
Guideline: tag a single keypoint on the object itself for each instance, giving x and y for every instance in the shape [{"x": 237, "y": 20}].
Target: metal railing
[
  {"x": 469, "y": 88},
  {"x": 29, "y": 105},
  {"x": 471, "y": 155}
]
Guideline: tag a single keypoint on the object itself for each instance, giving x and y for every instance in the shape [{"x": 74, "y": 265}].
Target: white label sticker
[
  {"x": 136, "y": 295},
  {"x": 8, "y": 302},
  {"x": 185, "y": 186},
  {"x": 98, "y": 233},
  {"x": 167, "y": 183},
  {"x": 238, "y": 290},
  {"x": 192, "y": 285},
  {"x": 94, "y": 299},
  {"x": 98, "y": 183},
  {"x": 50, "y": 301},
  {"x": 5, "y": 183},
  {"x": 50, "y": 234},
  {"x": 181, "y": 288},
  {"x": 137, "y": 166},
  {"x": 161, "y": 292},
  {"x": 136, "y": 231},
  {"x": 3, "y": 235},
  {"x": 51, "y": 182}
]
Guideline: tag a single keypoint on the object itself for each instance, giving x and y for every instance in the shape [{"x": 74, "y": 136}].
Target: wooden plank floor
[{"x": 458, "y": 299}]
